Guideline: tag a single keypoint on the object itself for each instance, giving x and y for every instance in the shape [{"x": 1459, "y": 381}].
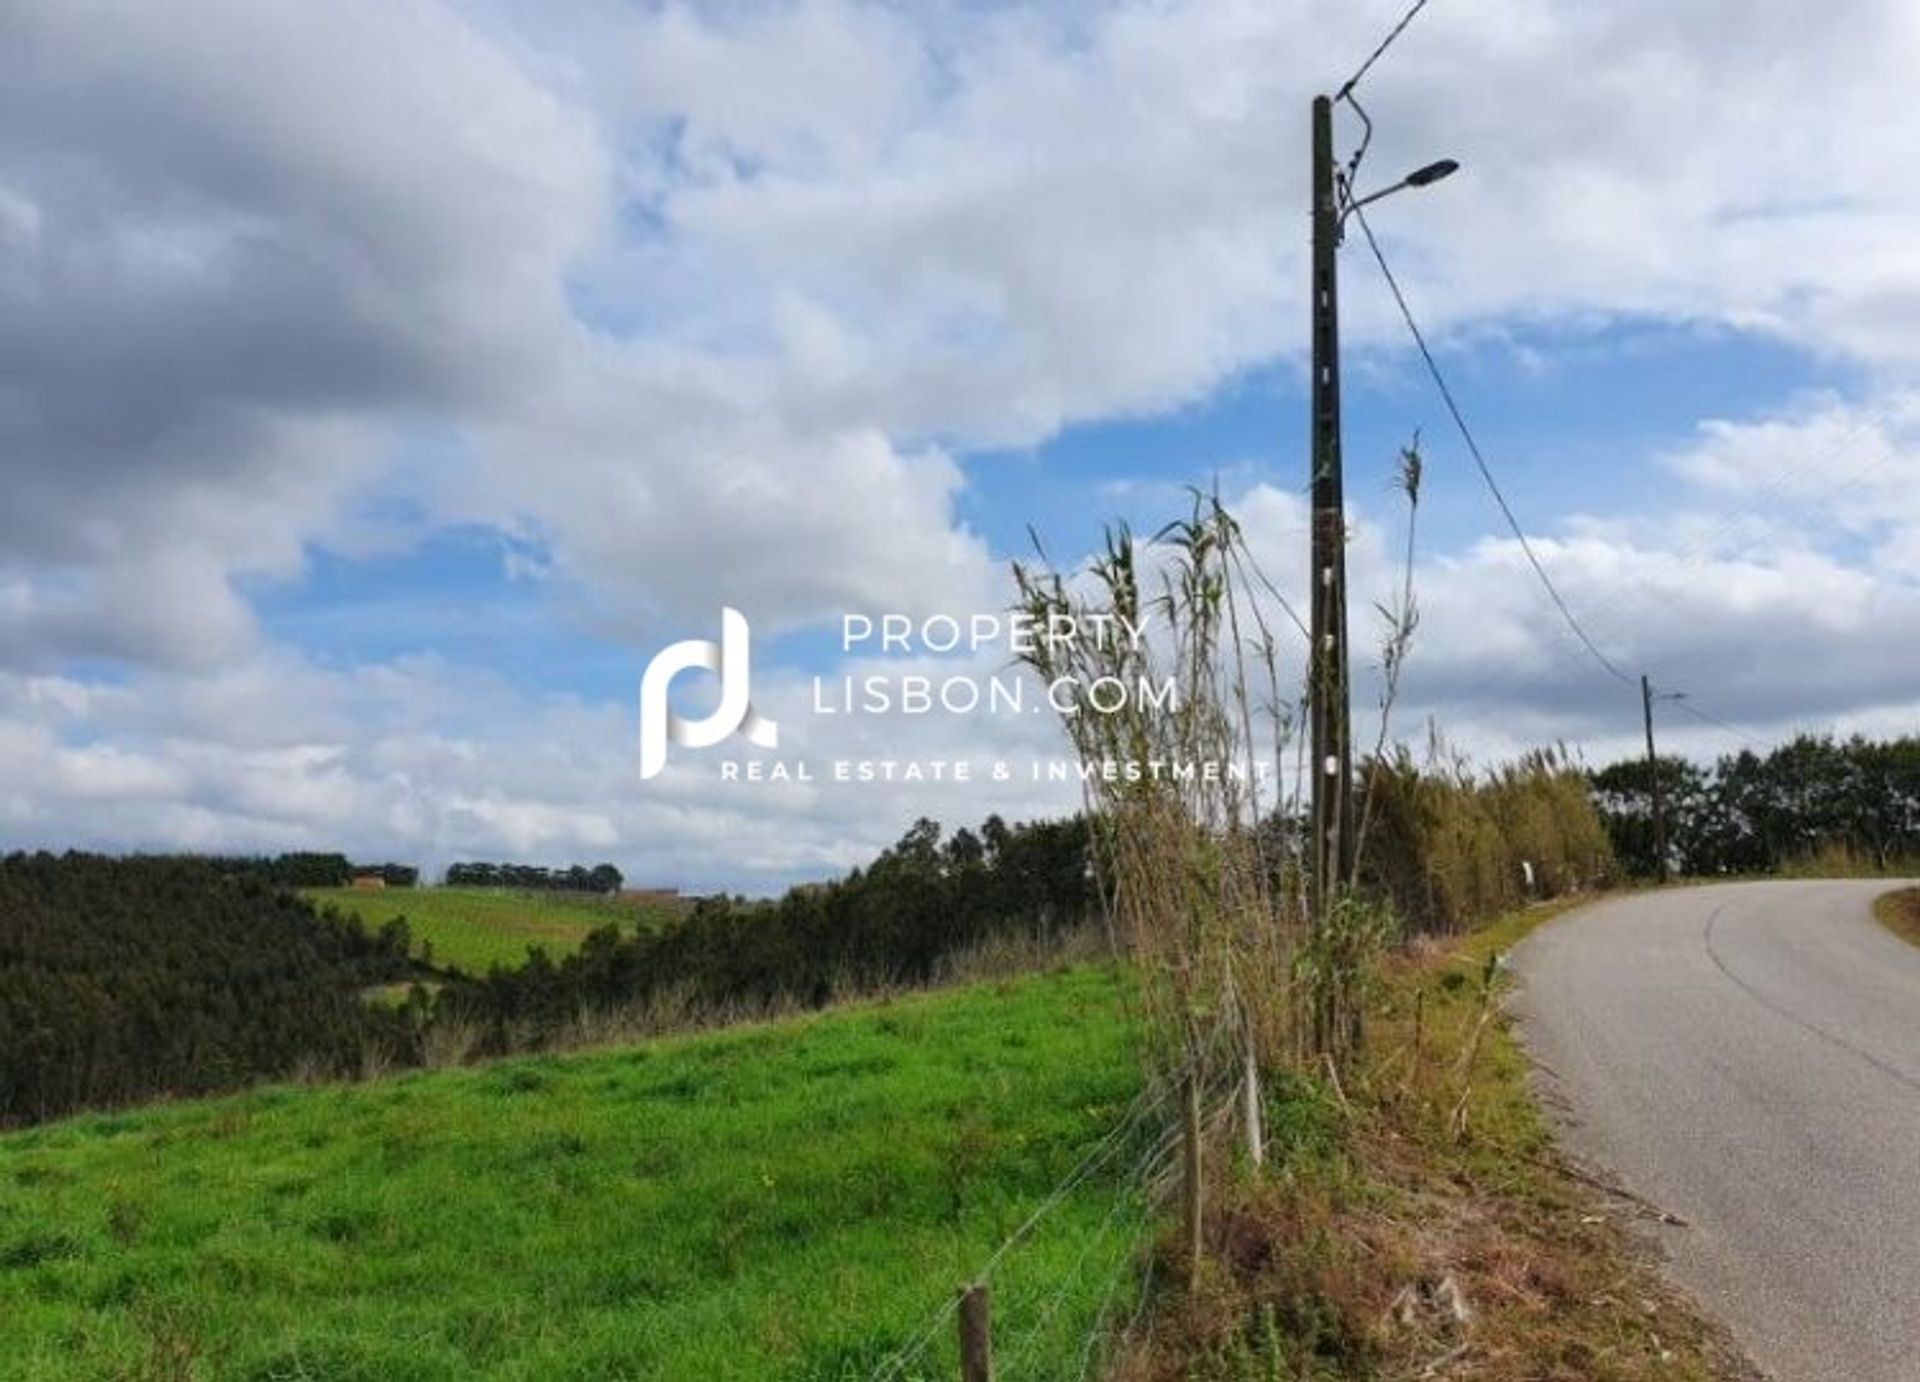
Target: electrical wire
[
  {"x": 1685, "y": 702},
  {"x": 1613, "y": 669},
  {"x": 1699, "y": 549},
  {"x": 1479, "y": 458},
  {"x": 1385, "y": 43}
]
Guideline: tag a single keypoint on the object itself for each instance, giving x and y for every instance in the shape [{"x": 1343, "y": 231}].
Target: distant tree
[
  {"x": 922, "y": 900},
  {"x": 393, "y": 875},
  {"x": 601, "y": 878},
  {"x": 1623, "y": 793},
  {"x": 1760, "y": 812},
  {"x": 123, "y": 979},
  {"x": 308, "y": 870}
]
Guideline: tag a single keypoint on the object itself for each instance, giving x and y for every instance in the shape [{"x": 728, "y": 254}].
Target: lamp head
[{"x": 1432, "y": 173}]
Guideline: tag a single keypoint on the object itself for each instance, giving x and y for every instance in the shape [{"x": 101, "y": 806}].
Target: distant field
[
  {"x": 788, "y": 1201},
  {"x": 472, "y": 929}
]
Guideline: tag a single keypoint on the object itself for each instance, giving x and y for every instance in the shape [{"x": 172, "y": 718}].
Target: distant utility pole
[
  {"x": 1653, "y": 784},
  {"x": 1328, "y": 697}
]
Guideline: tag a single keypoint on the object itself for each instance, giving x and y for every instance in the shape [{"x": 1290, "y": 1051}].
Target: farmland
[
  {"x": 473, "y": 929},
  {"x": 788, "y": 1200}
]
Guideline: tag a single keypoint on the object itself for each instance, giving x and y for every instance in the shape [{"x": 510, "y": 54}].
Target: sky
[{"x": 383, "y": 385}]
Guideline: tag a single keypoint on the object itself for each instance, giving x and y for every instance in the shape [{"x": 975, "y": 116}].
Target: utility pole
[
  {"x": 1653, "y": 784},
  {"x": 1329, "y": 711}
]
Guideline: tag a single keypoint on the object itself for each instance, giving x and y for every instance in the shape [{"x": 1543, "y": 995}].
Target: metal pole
[{"x": 1332, "y": 799}]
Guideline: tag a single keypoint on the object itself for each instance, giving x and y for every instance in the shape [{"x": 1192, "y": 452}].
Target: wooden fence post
[
  {"x": 976, "y": 1334},
  {"x": 1250, "y": 1106},
  {"x": 1193, "y": 1168}
]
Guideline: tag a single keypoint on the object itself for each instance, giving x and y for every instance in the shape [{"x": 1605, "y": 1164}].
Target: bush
[{"x": 1450, "y": 847}]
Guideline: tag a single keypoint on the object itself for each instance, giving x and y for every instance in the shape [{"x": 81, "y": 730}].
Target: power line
[
  {"x": 1778, "y": 484},
  {"x": 1479, "y": 459},
  {"x": 1685, "y": 702},
  {"x": 1700, "y": 548},
  {"x": 1486, "y": 473},
  {"x": 1385, "y": 44}
]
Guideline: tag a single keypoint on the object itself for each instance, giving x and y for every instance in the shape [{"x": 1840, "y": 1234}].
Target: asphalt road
[{"x": 1747, "y": 1056}]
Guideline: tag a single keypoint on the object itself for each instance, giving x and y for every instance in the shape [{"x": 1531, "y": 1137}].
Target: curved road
[{"x": 1747, "y": 1056}]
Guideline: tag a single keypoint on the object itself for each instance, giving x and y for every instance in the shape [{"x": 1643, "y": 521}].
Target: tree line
[
  {"x": 601, "y": 878},
  {"x": 124, "y": 979},
  {"x": 1815, "y": 801},
  {"x": 923, "y": 900},
  {"x": 310, "y": 869},
  {"x": 322, "y": 869},
  {"x": 128, "y": 979}
]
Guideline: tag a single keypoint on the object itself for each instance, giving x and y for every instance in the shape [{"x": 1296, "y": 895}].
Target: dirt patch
[{"x": 1899, "y": 912}]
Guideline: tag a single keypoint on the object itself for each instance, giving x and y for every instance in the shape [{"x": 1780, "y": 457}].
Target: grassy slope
[
  {"x": 472, "y": 929},
  {"x": 789, "y": 1200},
  {"x": 1899, "y": 912}
]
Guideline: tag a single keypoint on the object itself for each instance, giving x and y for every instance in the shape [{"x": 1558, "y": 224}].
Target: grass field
[
  {"x": 472, "y": 929},
  {"x": 791, "y": 1200}
]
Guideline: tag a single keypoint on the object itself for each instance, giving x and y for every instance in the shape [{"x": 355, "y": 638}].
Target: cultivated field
[
  {"x": 793, "y": 1200},
  {"x": 473, "y": 929}
]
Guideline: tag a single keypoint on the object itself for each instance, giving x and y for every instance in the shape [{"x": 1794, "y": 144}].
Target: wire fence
[{"x": 1057, "y": 1295}]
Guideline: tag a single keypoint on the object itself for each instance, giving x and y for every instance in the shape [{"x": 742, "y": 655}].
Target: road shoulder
[{"x": 1899, "y": 912}]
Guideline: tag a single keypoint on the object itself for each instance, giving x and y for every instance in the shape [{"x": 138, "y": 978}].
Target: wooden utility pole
[
  {"x": 976, "y": 1334},
  {"x": 1327, "y": 687},
  {"x": 1653, "y": 784}
]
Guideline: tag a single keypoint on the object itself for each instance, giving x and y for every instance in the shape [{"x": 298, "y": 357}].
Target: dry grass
[
  {"x": 678, "y": 1010},
  {"x": 1012, "y": 956},
  {"x": 1899, "y": 912},
  {"x": 1420, "y": 1223}
]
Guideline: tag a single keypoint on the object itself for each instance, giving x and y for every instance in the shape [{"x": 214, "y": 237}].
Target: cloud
[
  {"x": 1830, "y": 467},
  {"x": 699, "y": 305},
  {"x": 277, "y": 753},
  {"x": 423, "y": 760},
  {"x": 698, "y": 291},
  {"x": 240, "y": 243}
]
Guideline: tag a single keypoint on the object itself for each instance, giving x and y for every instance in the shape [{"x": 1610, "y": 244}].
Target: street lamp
[
  {"x": 1329, "y": 698},
  {"x": 1419, "y": 177}
]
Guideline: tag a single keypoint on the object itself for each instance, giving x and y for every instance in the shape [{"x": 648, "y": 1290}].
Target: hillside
[
  {"x": 792, "y": 1200},
  {"x": 473, "y": 929},
  {"x": 125, "y": 979}
]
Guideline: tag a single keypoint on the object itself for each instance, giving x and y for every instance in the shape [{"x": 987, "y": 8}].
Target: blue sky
[
  {"x": 352, "y": 481},
  {"x": 1572, "y": 418}
]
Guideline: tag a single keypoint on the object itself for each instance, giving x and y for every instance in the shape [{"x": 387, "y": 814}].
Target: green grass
[
  {"x": 473, "y": 929},
  {"x": 791, "y": 1200}
]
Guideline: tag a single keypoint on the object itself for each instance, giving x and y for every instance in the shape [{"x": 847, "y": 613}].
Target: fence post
[
  {"x": 1250, "y": 1105},
  {"x": 1193, "y": 1168},
  {"x": 976, "y": 1334}
]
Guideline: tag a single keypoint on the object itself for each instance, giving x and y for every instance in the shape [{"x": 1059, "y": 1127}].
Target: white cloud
[
  {"x": 1827, "y": 466},
  {"x": 699, "y": 305}
]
